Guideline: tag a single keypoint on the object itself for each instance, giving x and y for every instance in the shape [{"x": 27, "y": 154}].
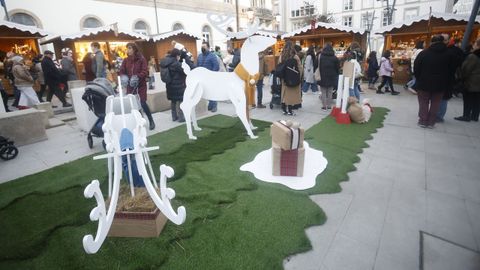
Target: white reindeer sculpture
[
  {"x": 126, "y": 135},
  {"x": 220, "y": 86}
]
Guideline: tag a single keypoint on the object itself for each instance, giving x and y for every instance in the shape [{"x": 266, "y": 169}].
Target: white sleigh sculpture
[
  {"x": 125, "y": 135},
  {"x": 220, "y": 86}
]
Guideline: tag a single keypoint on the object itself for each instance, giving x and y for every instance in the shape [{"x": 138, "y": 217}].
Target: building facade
[
  {"x": 463, "y": 7},
  {"x": 359, "y": 13},
  {"x": 207, "y": 18}
]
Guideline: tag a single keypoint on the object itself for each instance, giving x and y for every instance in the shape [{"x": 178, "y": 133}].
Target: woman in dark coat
[
  {"x": 373, "y": 68},
  {"x": 329, "y": 69},
  {"x": 87, "y": 66},
  {"x": 176, "y": 86},
  {"x": 136, "y": 69}
]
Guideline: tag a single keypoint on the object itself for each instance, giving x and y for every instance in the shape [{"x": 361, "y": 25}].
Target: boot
[
  {"x": 173, "y": 108},
  {"x": 284, "y": 109},
  {"x": 394, "y": 93},
  {"x": 379, "y": 91},
  {"x": 152, "y": 124},
  {"x": 179, "y": 111}
]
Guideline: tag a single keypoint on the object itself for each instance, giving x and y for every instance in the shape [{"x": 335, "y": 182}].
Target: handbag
[{"x": 317, "y": 75}]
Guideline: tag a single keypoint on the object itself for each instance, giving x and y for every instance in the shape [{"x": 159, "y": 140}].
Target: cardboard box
[
  {"x": 286, "y": 136},
  {"x": 137, "y": 224},
  {"x": 287, "y": 162}
]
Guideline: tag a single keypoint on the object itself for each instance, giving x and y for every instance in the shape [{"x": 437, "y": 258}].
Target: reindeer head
[{"x": 250, "y": 49}]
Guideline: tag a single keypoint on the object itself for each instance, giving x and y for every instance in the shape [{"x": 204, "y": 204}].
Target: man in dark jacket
[
  {"x": 53, "y": 78},
  {"x": 432, "y": 68},
  {"x": 329, "y": 66},
  {"x": 209, "y": 61},
  {"x": 176, "y": 86},
  {"x": 470, "y": 71}
]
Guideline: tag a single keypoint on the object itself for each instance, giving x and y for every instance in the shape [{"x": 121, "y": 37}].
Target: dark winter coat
[
  {"x": 87, "y": 65},
  {"x": 329, "y": 69},
  {"x": 176, "y": 87},
  {"x": 373, "y": 67},
  {"x": 236, "y": 59},
  {"x": 52, "y": 75},
  {"x": 433, "y": 67},
  {"x": 208, "y": 60},
  {"x": 471, "y": 72},
  {"x": 136, "y": 65}
]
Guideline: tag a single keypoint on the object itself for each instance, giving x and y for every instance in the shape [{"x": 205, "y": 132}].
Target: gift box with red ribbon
[
  {"x": 287, "y": 162},
  {"x": 287, "y": 135}
]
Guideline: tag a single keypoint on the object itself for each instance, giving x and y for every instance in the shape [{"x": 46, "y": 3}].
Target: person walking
[
  {"x": 24, "y": 82},
  {"x": 329, "y": 66},
  {"x": 134, "y": 70},
  {"x": 291, "y": 94},
  {"x": 53, "y": 78},
  {"x": 37, "y": 67},
  {"x": 432, "y": 68},
  {"x": 209, "y": 61},
  {"x": 309, "y": 69},
  {"x": 386, "y": 72},
  {"x": 262, "y": 68},
  {"x": 470, "y": 74},
  {"x": 176, "y": 86},
  {"x": 372, "y": 71},
  {"x": 98, "y": 62},
  {"x": 68, "y": 66},
  {"x": 410, "y": 86},
  {"x": 152, "y": 68}
]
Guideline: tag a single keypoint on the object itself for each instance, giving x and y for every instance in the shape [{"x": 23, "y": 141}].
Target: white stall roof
[
  {"x": 24, "y": 28},
  {"x": 325, "y": 25},
  {"x": 173, "y": 33}
]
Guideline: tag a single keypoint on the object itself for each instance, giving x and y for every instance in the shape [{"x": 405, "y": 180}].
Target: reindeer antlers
[{"x": 221, "y": 22}]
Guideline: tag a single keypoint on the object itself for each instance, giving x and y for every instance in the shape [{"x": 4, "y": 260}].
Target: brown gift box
[
  {"x": 282, "y": 135},
  {"x": 287, "y": 162},
  {"x": 137, "y": 216}
]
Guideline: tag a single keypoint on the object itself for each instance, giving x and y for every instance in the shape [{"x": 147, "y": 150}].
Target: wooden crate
[{"x": 137, "y": 224}]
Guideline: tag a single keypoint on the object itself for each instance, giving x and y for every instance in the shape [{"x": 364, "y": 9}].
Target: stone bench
[{"x": 24, "y": 126}]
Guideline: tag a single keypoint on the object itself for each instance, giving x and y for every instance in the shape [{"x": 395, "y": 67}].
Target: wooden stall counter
[{"x": 401, "y": 66}]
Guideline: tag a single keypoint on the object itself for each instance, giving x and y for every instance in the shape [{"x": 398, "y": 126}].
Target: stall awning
[
  {"x": 342, "y": 28},
  {"x": 172, "y": 34},
  {"x": 31, "y": 31},
  {"x": 266, "y": 33},
  {"x": 426, "y": 17},
  {"x": 92, "y": 32}
]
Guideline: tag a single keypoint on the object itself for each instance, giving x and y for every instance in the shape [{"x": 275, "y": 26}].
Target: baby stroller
[
  {"x": 96, "y": 93},
  {"x": 276, "y": 90},
  {"x": 8, "y": 151}
]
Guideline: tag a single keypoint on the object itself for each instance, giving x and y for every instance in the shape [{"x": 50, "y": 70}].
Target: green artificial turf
[{"x": 233, "y": 220}]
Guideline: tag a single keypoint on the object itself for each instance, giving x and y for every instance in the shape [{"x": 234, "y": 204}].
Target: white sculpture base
[{"x": 315, "y": 164}]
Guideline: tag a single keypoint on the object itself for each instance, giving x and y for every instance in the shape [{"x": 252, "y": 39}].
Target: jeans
[
  {"x": 386, "y": 80},
  {"x": 428, "y": 104},
  {"x": 212, "y": 105},
  {"x": 372, "y": 80},
  {"x": 442, "y": 110},
  {"x": 307, "y": 85},
  {"x": 355, "y": 91},
  {"x": 259, "y": 91},
  {"x": 54, "y": 89},
  {"x": 151, "y": 80},
  {"x": 326, "y": 96},
  {"x": 412, "y": 82},
  {"x": 471, "y": 105}
]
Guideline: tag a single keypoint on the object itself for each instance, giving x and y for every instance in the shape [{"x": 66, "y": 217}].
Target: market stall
[
  {"x": 236, "y": 41},
  {"x": 112, "y": 42},
  {"x": 20, "y": 39},
  {"x": 339, "y": 36},
  {"x": 401, "y": 38},
  {"x": 160, "y": 44}
]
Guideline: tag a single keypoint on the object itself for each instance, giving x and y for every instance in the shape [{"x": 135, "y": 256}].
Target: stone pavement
[{"x": 412, "y": 203}]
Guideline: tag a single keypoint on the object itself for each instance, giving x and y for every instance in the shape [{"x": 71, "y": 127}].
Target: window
[
  {"x": 177, "y": 26},
  {"x": 141, "y": 27},
  {"x": 23, "y": 18},
  {"x": 385, "y": 18},
  {"x": 364, "y": 20},
  {"x": 207, "y": 34},
  {"x": 410, "y": 13},
  {"x": 91, "y": 22},
  {"x": 347, "y": 4},
  {"x": 347, "y": 21}
]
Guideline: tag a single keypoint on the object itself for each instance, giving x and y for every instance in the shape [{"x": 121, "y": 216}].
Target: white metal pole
[
  {"x": 346, "y": 92},
  {"x": 339, "y": 91}
]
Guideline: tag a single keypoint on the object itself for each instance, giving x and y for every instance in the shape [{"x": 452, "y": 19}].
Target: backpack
[
  {"x": 165, "y": 75},
  {"x": 291, "y": 73}
]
